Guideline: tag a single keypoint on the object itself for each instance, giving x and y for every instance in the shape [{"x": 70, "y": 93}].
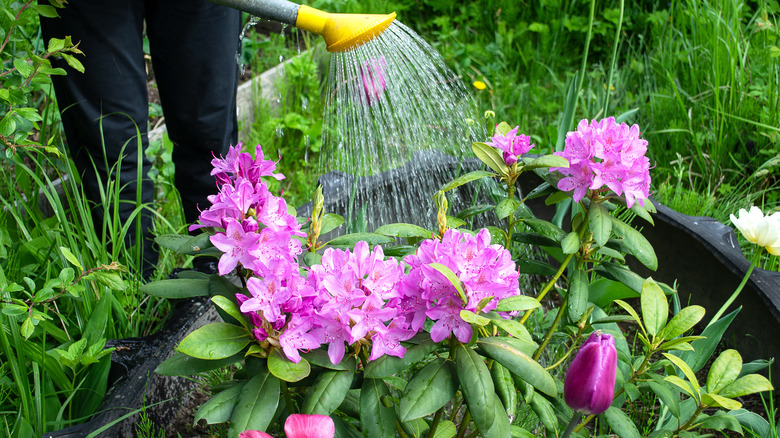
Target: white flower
[{"x": 762, "y": 230}]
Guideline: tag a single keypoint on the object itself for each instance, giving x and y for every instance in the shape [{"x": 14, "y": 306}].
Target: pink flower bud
[{"x": 590, "y": 383}]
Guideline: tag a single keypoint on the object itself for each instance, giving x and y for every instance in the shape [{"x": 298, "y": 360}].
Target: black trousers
[{"x": 194, "y": 47}]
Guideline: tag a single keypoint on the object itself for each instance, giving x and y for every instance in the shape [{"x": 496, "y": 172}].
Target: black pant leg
[
  {"x": 106, "y": 108},
  {"x": 195, "y": 46}
]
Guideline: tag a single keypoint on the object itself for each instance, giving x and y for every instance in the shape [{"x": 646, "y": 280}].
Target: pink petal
[
  {"x": 254, "y": 434},
  {"x": 309, "y": 426}
]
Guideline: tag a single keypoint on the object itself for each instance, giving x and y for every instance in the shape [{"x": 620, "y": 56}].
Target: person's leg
[
  {"x": 195, "y": 46},
  {"x": 105, "y": 108}
]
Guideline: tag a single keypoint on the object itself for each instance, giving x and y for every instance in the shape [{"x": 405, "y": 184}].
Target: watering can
[{"x": 342, "y": 32}]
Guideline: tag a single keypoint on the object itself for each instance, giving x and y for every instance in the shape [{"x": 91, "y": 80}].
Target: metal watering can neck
[{"x": 341, "y": 31}]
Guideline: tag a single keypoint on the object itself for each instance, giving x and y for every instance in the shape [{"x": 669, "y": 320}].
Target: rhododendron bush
[{"x": 436, "y": 337}]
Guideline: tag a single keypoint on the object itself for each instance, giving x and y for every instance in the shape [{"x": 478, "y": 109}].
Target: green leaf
[
  {"x": 685, "y": 319},
  {"x": 446, "y": 429},
  {"x": 472, "y": 318},
  {"x": 184, "y": 244},
  {"x": 719, "y": 401},
  {"x": 546, "y": 413},
  {"x": 491, "y": 157},
  {"x": 378, "y": 420},
  {"x": 752, "y": 421},
  {"x": 47, "y": 11},
  {"x": 545, "y": 228},
  {"x": 474, "y": 210},
  {"x": 476, "y": 385},
  {"x": 71, "y": 258},
  {"x": 386, "y": 365},
  {"x": 509, "y": 355},
  {"x": 256, "y": 404},
  {"x": 179, "y": 364},
  {"x": 522, "y": 338},
  {"x": 517, "y": 303},
  {"x": 73, "y": 62},
  {"x": 285, "y": 369},
  {"x": 328, "y": 392},
  {"x": 627, "y": 307},
  {"x": 571, "y": 243},
  {"x": 429, "y": 389},
  {"x": 329, "y": 222},
  {"x": 506, "y": 207},
  {"x": 220, "y": 407},
  {"x": 599, "y": 223},
  {"x": 745, "y": 385},
  {"x": 231, "y": 308},
  {"x": 655, "y": 308},
  {"x": 703, "y": 348},
  {"x": 500, "y": 426},
  {"x": 449, "y": 275},
  {"x": 546, "y": 161},
  {"x": 177, "y": 288},
  {"x": 505, "y": 388},
  {"x": 467, "y": 178},
  {"x": 349, "y": 240},
  {"x": 578, "y": 294},
  {"x": 686, "y": 370},
  {"x": 620, "y": 423},
  {"x": 722, "y": 421},
  {"x": 668, "y": 397},
  {"x": 534, "y": 239},
  {"x": 682, "y": 384},
  {"x": 536, "y": 267},
  {"x": 215, "y": 341},
  {"x": 23, "y": 67},
  {"x": 642, "y": 212},
  {"x": 27, "y": 329},
  {"x": 724, "y": 371},
  {"x": 636, "y": 243},
  {"x": 320, "y": 358},
  {"x": 14, "y": 309},
  {"x": 404, "y": 230}
]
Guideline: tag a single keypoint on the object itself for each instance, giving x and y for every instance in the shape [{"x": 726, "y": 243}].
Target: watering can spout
[{"x": 342, "y": 32}]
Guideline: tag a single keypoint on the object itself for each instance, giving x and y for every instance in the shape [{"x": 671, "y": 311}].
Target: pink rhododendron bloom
[
  {"x": 605, "y": 153},
  {"x": 590, "y": 382},
  {"x": 236, "y": 246},
  {"x": 483, "y": 269},
  {"x": 297, "y": 336},
  {"x": 372, "y": 74},
  {"x": 300, "y": 426},
  {"x": 512, "y": 145}
]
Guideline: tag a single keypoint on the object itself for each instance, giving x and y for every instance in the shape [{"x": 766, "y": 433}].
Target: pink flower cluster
[
  {"x": 257, "y": 232},
  {"x": 353, "y": 296},
  {"x": 605, "y": 153},
  {"x": 485, "y": 270},
  {"x": 512, "y": 145}
]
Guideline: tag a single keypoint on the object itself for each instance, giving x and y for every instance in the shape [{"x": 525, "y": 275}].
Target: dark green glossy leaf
[
  {"x": 428, "y": 390},
  {"x": 215, "y": 341},
  {"x": 504, "y": 351},
  {"x": 285, "y": 369},
  {"x": 476, "y": 385},
  {"x": 329, "y": 222},
  {"x": 506, "y": 207},
  {"x": 505, "y": 388},
  {"x": 378, "y": 420},
  {"x": 578, "y": 295},
  {"x": 546, "y": 161},
  {"x": 636, "y": 243},
  {"x": 599, "y": 223},
  {"x": 181, "y": 364},
  {"x": 178, "y": 288},
  {"x": 349, "y": 240},
  {"x": 534, "y": 239},
  {"x": 467, "y": 178},
  {"x": 491, "y": 157},
  {"x": 404, "y": 230},
  {"x": 328, "y": 392},
  {"x": 620, "y": 423},
  {"x": 256, "y": 404},
  {"x": 219, "y": 408},
  {"x": 517, "y": 303}
]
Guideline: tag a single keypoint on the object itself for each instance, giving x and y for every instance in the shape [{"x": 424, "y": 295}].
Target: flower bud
[{"x": 590, "y": 382}]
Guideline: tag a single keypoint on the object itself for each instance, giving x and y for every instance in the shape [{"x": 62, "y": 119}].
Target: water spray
[{"x": 342, "y": 32}]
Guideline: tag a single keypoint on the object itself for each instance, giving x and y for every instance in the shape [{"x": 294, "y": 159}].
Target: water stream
[{"x": 400, "y": 121}]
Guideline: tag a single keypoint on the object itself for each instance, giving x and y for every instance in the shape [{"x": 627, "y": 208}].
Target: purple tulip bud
[{"x": 590, "y": 383}]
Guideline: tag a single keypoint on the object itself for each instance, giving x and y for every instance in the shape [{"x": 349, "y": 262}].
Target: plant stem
[
  {"x": 550, "y": 332},
  {"x": 575, "y": 418},
  {"x": 400, "y": 430},
  {"x": 435, "y": 422},
  {"x": 287, "y": 397},
  {"x": 737, "y": 291},
  {"x": 548, "y": 286},
  {"x": 464, "y": 424}
]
